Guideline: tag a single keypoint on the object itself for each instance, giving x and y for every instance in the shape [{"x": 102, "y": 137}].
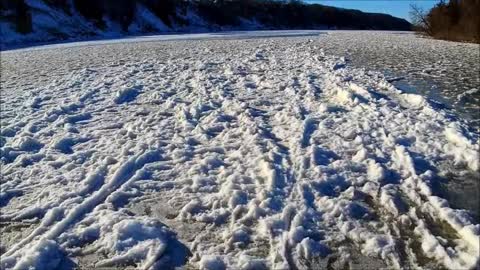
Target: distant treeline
[
  {"x": 273, "y": 14},
  {"x": 457, "y": 20}
]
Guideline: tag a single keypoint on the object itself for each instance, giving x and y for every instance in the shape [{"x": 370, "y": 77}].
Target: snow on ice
[{"x": 245, "y": 154}]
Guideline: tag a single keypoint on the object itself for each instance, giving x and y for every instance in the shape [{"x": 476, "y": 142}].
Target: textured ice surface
[
  {"x": 442, "y": 70},
  {"x": 245, "y": 154}
]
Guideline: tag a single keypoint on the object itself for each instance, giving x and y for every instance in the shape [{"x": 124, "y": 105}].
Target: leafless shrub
[{"x": 456, "y": 20}]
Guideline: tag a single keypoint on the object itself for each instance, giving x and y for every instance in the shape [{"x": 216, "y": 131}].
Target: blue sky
[{"x": 397, "y": 8}]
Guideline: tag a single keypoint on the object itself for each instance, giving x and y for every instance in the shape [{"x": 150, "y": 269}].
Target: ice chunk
[
  {"x": 414, "y": 101},
  {"x": 126, "y": 94},
  {"x": 137, "y": 240},
  {"x": 45, "y": 255},
  {"x": 212, "y": 262}
]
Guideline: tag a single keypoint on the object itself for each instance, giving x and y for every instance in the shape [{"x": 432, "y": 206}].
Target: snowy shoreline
[
  {"x": 224, "y": 153},
  {"x": 169, "y": 36}
]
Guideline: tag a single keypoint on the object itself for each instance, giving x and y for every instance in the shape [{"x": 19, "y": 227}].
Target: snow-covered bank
[
  {"x": 173, "y": 37},
  {"x": 234, "y": 153},
  {"x": 28, "y": 22}
]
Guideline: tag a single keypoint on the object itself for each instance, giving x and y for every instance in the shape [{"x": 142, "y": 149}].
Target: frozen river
[
  {"x": 245, "y": 150},
  {"x": 443, "y": 71},
  {"x": 447, "y": 72}
]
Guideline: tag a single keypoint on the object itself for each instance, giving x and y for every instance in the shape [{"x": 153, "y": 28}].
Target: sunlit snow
[{"x": 237, "y": 153}]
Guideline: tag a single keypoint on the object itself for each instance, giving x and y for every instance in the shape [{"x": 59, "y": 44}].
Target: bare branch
[{"x": 419, "y": 18}]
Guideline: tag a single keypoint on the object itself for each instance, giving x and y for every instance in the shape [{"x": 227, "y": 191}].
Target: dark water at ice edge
[{"x": 461, "y": 188}]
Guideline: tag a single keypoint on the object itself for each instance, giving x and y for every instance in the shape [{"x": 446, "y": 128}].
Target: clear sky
[{"x": 397, "y": 8}]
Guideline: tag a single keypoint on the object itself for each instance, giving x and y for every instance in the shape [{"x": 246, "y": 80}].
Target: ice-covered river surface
[
  {"x": 242, "y": 151},
  {"x": 447, "y": 72},
  {"x": 443, "y": 71}
]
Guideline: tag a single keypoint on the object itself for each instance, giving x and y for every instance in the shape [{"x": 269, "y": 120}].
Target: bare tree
[{"x": 419, "y": 19}]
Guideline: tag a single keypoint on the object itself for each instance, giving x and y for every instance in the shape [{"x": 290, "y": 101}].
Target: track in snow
[{"x": 235, "y": 153}]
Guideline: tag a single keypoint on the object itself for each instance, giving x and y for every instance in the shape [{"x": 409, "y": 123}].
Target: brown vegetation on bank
[{"x": 457, "y": 20}]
